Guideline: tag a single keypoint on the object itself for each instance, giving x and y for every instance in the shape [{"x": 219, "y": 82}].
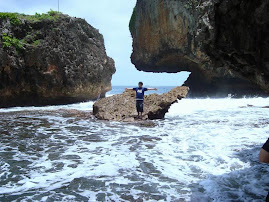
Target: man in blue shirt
[{"x": 140, "y": 92}]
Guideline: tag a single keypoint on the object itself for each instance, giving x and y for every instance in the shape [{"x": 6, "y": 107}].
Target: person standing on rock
[{"x": 140, "y": 92}]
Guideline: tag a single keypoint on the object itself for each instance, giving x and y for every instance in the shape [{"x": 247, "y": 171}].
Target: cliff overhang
[{"x": 222, "y": 43}]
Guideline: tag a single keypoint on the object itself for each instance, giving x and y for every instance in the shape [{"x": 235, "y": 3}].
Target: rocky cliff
[
  {"x": 51, "y": 59},
  {"x": 224, "y": 43}
]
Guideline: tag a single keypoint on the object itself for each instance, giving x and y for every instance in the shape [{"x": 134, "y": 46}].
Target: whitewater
[{"x": 204, "y": 150}]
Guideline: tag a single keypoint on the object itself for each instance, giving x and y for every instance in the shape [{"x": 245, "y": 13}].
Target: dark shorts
[{"x": 139, "y": 105}]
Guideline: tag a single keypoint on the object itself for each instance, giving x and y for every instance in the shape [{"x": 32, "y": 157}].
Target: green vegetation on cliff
[
  {"x": 36, "y": 42},
  {"x": 192, "y": 4},
  {"x": 32, "y": 37},
  {"x": 15, "y": 18},
  {"x": 9, "y": 41},
  {"x": 50, "y": 15}
]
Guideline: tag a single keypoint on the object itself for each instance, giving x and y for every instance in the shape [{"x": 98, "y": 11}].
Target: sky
[{"x": 111, "y": 18}]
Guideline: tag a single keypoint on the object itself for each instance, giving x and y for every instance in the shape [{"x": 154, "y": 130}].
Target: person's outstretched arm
[
  {"x": 152, "y": 88},
  {"x": 129, "y": 89},
  {"x": 264, "y": 153}
]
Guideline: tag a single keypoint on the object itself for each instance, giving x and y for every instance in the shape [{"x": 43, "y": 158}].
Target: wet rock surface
[
  {"x": 223, "y": 43},
  {"x": 122, "y": 107},
  {"x": 55, "y": 59}
]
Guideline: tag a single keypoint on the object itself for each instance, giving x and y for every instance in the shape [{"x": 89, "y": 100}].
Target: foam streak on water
[{"x": 204, "y": 150}]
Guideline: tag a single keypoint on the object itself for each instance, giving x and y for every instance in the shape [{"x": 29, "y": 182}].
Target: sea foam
[{"x": 204, "y": 150}]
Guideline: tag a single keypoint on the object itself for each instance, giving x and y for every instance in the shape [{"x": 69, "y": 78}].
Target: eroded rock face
[
  {"x": 122, "y": 107},
  {"x": 223, "y": 43},
  {"x": 63, "y": 60}
]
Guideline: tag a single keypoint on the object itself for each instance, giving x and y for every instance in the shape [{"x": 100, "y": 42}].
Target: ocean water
[
  {"x": 161, "y": 89},
  {"x": 204, "y": 150}
]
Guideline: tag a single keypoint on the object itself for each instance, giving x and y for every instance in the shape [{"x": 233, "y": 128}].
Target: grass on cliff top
[
  {"x": 31, "y": 39},
  {"x": 12, "y": 17},
  {"x": 50, "y": 15},
  {"x": 15, "y": 18}
]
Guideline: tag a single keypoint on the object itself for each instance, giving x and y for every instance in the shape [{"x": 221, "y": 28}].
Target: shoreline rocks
[
  {"x": 122, "y": 107},
  {"x": 51, "y": 59}
]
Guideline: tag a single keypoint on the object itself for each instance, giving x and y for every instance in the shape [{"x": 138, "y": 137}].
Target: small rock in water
[
  {"x": 75, "y": 113},
  {"x": 147, "y": 124}
]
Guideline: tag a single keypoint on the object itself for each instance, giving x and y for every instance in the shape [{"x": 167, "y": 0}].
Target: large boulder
[
  {"x": 122, "y": 107},
  {"x": 51, "y": 59},
  {"x": 223, "y": 43}
]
